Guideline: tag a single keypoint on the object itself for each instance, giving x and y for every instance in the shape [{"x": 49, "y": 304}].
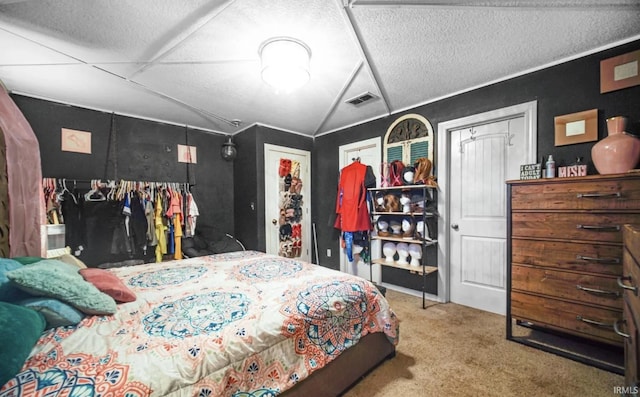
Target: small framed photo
[
  {"x": 75, "y": 141},
  {"x": 576, "y": 127},
  {"x": 620, "y": 72},
  {"x": 187, "y": 154}
]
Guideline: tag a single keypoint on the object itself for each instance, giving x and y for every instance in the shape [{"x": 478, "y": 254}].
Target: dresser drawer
[
  {"x": 631, "y": 237},
  {"x": 597, "y": 290},
  {"x": 599, "y": 227},
  {"x": 583, "y": 257},
  {"x": 631, "y": 350},
  {"x": 631, "y": 279},
  {"x": 581, "y": 320},
  {"x": 607, "y": 194}
]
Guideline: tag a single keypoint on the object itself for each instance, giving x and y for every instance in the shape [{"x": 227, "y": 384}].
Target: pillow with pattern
[{"x": 55, "y": 279}]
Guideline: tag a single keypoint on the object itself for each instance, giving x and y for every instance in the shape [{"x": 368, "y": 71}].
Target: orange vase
[{"x": 617, "y": 153}]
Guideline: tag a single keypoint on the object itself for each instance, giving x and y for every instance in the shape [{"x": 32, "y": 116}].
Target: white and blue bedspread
[{"x": 237, "y": 324}]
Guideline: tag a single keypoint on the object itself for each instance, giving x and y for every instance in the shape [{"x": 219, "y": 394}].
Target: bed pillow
[
  {"x": 55, "y": 279},
  {"x": 72, "y": 260},
  {"x": 108, "y": 283},
  {"x": 55, "y": 312},
  {"x": 20, "y": 328},
  {"x": 27, "y": 260},
  {"x": 8, "y": 291}
]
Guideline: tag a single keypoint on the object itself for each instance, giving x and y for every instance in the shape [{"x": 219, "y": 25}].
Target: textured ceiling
[{"x": 196, "y": 63}]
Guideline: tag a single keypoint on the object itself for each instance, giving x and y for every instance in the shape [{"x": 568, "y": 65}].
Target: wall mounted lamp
[{"x": 228, "y": 150}]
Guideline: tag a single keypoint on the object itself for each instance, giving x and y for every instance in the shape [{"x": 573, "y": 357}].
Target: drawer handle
[
  {"x": 614, "y": 228},
  {"x": 599, "y": 195},
  {"x": 597, "y": 291},
  {"x": 617, "y": 330},
  {"x": 621, "y": 283},
  {"x": 592, "y": 259},
  {"x": 593, "y": 322}
]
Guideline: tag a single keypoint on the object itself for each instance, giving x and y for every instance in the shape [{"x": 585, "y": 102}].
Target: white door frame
[
  {"x": 367, "y": 143},
  {"x": 306, "y": 195},
  {"x": 529, "y": 111}
]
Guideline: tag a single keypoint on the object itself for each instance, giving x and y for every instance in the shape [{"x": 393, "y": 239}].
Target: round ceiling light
[{"x": 285, "y": 63}]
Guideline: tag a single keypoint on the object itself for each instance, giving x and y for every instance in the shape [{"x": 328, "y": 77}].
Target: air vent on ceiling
[{"x": 362, "y": 98}]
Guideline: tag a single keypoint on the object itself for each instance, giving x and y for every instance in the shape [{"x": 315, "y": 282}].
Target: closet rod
[{"x": 89, "y": 181}]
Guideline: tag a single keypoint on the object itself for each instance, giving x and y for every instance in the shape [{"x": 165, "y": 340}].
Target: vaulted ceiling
[{"x": 196, "y": 62}]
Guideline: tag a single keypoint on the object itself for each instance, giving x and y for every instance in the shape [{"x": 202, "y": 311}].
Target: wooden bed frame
[{"x": 347, "y": 369}]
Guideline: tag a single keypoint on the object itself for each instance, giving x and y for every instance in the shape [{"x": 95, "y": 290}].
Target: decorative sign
[
  {"x": 76, "y": 141},
  {"x": 187, "y": 154},
  {"x": 572, "y": 170},
  {"x": 531, "y": 171}
]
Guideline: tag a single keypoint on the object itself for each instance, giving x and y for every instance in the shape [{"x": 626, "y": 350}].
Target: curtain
[{"x": 24, "y": 174}]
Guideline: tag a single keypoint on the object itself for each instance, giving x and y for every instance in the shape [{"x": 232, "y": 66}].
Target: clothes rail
[{"x": 112, "y": 189}]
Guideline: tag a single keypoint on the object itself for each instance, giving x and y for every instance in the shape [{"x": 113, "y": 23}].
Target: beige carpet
[{"x": 453, "y": 350}]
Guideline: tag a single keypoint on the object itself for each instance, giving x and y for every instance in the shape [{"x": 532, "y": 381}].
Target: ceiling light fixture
[{"x": 285, "y": 63}]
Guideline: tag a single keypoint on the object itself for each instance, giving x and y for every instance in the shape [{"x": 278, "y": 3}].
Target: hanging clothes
[
  {"x": 138, "y": 224},
  {"x": 75, "y": 231},
  {"x": 352, "y": 212},
  {"x": 192, "y": 216},
  {"x": 352, "y": 207},
  {"x": 176, "y": 216},
  {"x": 161, "y": 247},
  {"x": 149, "y": 212}
]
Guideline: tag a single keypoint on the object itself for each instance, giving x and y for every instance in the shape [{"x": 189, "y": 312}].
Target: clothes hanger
[
  {"x": 95, "y": 194},
  {"x": 65, "y": 189}
]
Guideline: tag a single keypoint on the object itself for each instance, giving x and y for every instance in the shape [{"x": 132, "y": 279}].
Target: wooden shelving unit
[{"x": 426, "y": 241}]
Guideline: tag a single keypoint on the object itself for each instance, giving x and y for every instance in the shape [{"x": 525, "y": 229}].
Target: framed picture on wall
[
  {"x": 576, "y": 127},
  {"x": 75, "y": 141},
  {"x": 620, "y": 72}
]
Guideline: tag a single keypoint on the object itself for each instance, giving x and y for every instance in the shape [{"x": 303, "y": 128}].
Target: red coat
[{"x": 351, "y": 203}]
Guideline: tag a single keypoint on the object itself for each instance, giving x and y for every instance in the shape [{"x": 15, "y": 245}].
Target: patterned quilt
[{"x": 237, "y": 324}]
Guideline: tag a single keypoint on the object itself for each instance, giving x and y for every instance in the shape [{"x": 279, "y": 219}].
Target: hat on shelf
[
  {"x": 391, "y": 203},
  {"x": 396, "y": 227},
  {"x": 408, "y": 175},
  {"x": 379, "y": 201},
  {"x": 408, "y": 227},
  {"x": 382, "y": 227}
]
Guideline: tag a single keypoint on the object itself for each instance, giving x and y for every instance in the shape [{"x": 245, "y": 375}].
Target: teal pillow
[
  {"x": 27, "y": 260},
  {"x": 57, "y": 313},
  {"x": 8, "y": 291},
  {"x": 55, "y": 279},
  {"x": 20, "y": 328}
]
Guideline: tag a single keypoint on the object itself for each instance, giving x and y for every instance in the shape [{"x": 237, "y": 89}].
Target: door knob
[
  {"x": 274, "y": 221},
  {"x": 454, "y": 226}
]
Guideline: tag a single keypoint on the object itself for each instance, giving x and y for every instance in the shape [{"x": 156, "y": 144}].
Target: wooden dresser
[
  {"x": 564, "y": 260},
  {"x": 630, "y": 282}
]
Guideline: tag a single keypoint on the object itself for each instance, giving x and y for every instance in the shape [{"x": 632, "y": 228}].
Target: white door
[
  {"x": 368, "y": 153},
  {"x": 472, "y": 201},
  {"x": 287, "y": 209},
  {"x": 479, "y": 162}
]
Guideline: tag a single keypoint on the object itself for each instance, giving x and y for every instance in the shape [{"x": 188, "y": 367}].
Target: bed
[{"x": 242, "y": 323}]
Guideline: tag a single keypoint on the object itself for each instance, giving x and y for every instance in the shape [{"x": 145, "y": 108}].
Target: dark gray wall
[
  {"x": 566, "y": 88},
  {"x": 225, "y": 190},
  {"x": 145, "y": 150},
  {"x": 249, "y": 179}
]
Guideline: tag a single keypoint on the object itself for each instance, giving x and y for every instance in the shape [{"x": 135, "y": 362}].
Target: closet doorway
[
  {"x": 477, "y": 154},
  {"x": 368, "y": 152},
  {"x": 287, "y": 202}
]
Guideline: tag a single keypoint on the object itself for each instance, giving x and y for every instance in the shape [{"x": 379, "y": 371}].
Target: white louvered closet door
[{"x": 479, "y": 165}]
